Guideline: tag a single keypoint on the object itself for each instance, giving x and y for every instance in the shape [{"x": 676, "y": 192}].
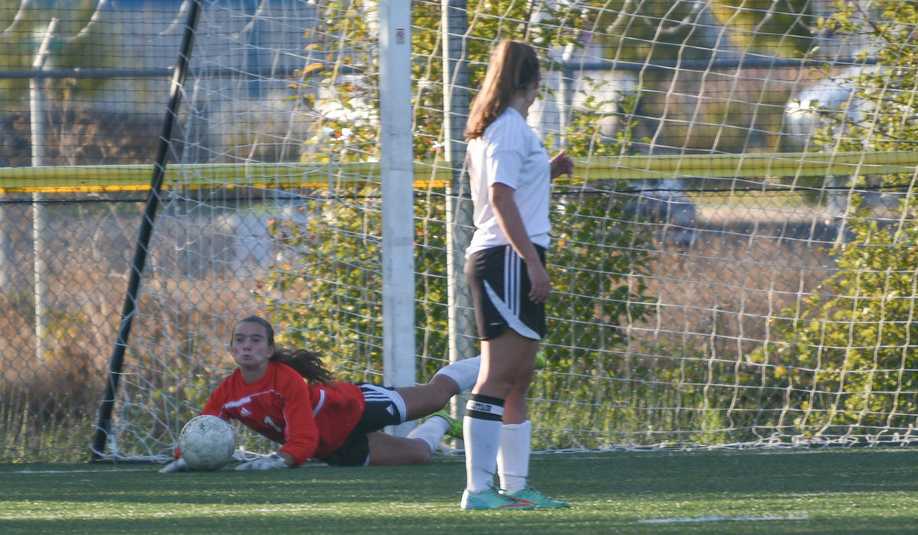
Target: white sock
[
  {"x": 513, "y": 456},
  {"x": 431, "y": 431},
  {"x": 481, "y": 430},
  {"x": 463, "y": 372}
]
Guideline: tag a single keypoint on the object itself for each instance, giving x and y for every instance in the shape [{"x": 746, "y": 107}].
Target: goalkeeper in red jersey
[{"x": 289, "y": 397}]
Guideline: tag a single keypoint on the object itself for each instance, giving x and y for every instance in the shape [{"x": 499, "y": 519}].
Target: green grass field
[{"x": 802, "y": 491}]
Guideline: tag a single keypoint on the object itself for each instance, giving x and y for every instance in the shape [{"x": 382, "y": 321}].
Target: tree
[
  {"x": 849, "y": 352},
  {"x": 22, "y": 26}
]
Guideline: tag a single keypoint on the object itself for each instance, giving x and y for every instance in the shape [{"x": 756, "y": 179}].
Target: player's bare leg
[
  {"x": 515, "y": 406},
  {"x": 513, "y": 445},
  {"x": 426, "y": 399},
  {"x": 389, "y": 450},
  {"x": 507, "y": 361}
]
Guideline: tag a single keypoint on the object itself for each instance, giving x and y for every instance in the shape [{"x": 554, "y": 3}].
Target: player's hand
[
  {"x": 539, "y": 285},
  {"x": 178, "y": 465},
  {"x": 271, "y": 462},
  {"x": 562, "y": 164}
]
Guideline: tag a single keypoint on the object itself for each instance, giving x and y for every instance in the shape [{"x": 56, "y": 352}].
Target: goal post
[
  {"x": 138, "y": 265},
  {"x": 397, "y": 178}
]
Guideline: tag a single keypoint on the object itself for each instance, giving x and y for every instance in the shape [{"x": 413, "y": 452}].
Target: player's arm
[
  {"x": 215, "y": 403},
  {"x": 301, "y": 435},
  {"x": 511, "y": 223}
]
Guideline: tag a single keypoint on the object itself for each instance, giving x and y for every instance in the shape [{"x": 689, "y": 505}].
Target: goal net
[{"x": 733, "y": 261}]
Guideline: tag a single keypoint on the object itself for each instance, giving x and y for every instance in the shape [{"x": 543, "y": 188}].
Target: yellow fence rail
[{"x": 121, "y": 178}]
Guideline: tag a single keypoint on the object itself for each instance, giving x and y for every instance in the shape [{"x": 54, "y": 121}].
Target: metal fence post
[
  {"x": 38, "y": 115},
  {"x": 462, "y": 343}
]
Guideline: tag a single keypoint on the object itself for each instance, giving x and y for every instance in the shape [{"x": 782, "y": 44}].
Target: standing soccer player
[{"x": 511, "y": 177}]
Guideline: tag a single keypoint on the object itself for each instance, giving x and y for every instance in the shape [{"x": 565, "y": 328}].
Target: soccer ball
[{"x": 207, "y": 442}]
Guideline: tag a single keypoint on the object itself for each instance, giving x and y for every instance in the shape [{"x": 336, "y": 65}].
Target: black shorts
[
  {"x": 383, "y": 406},
  {"x": 499, "y": 285}
]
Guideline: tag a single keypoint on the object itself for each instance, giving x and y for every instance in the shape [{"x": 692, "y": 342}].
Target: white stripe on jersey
[
  {"x": 239, "y": 402},
  {"x": 320, "y": 403}
]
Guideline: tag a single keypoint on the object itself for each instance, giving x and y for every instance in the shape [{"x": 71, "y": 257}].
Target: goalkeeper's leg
[
  {"x": 424, "y": 400},
  {"x": 463, "y": 372},
  {"x": 417, "y": 448}
]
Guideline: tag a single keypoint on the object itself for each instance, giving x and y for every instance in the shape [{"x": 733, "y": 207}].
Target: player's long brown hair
[
  {"x": 305, "y": 362},
  {"x": 514, "y": 66}
]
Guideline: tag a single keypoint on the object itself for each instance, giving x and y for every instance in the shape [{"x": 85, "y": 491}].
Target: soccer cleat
[
  {"x": 536, "y": 499},
  {"x": 490, "y": 500},
  {"x": 454, "y": 429}
]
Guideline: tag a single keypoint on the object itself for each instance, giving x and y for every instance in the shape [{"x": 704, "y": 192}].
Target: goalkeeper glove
[
  {"x": 270, "y": 462},
  {"x": 178, "y": 465}
]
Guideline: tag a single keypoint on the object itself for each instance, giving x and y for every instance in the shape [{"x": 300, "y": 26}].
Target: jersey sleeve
[
  {"x": 504, "y": 157},
  {"x": 301, "y": 435},
  {"x": 215, "y": 402}
]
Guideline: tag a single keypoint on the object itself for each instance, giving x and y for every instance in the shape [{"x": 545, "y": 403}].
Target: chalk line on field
[
  {"x": 115, "y": 470},
  {"x": 721, "y": 518}
]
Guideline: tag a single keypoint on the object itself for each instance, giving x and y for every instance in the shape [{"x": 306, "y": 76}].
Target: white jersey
[{"x": 509, "y": 152}]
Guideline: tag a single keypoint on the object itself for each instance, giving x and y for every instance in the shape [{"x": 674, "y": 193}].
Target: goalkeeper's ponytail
[{"x": 306, "y": 363}]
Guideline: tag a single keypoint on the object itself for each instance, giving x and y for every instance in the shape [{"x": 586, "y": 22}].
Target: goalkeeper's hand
[
  {"x": 270, "y": 462},
  {"x": 178, "y": 465}
]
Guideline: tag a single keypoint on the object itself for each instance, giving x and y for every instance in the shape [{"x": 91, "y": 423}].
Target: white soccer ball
[{"x": 207, "y": 442}]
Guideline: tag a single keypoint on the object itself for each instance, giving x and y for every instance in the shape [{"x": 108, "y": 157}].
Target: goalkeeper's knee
[{"x": 463, "y": 372}]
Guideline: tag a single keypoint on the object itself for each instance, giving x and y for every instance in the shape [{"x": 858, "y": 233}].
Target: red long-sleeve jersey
[{"x": 310, "y": 420}]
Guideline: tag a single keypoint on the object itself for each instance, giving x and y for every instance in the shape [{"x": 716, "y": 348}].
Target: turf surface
[{"x": 859, "y": 491}]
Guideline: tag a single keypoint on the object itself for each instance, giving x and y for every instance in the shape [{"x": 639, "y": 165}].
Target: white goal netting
[{"x": 734, "y": 261}]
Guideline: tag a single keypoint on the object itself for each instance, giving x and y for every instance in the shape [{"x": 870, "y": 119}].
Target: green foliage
[
  {"x": 666, "y": 31},
  {"x": 21, "y": 38},
  {"x": 601, "y": 296},
  {"x": 884, "y": 96},
  {"x": 585, "y": 137},
  {"x": 332, "y": 283},
  {"x": 852, "y": 342},
  {"x": 848, "y": 353},
  {"x": 766, "y": 26},
  {"x": 350, "y": 131},
  {"x": 646, "y": 31},
  {"x": 880, "y": 114},
  {"x": 699, "y": 109}
]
